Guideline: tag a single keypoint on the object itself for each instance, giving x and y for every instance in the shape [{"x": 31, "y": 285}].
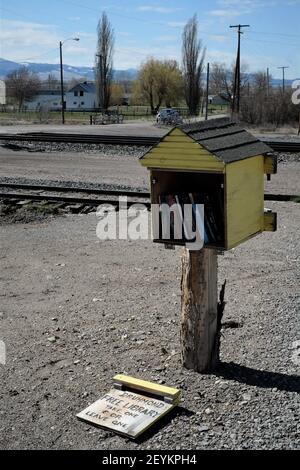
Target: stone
[
  {"x": 203, "y": 428},
  {"x": 52, "y": 339}
]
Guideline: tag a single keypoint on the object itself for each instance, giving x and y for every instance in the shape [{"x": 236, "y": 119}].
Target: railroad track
[
  {"x": 21, "y": 194},
  {"x": 276, "y": 145},
  {"x": 283, "y": 145},
  {"x": 82, "y": 189},
  {"x": 82, "y": 138},
  {"x": 24, "y": 193}
]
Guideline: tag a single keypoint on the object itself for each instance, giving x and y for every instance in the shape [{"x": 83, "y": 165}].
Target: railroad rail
[
  {"x": 57, "y": 194},
  {"x": 82, "y": 138},
  {"x": 282, "y": 145},
  {"x": 26, "y": 192},
  {"x": 276, "y": 145},
  {"x": 76, "y": 189}
]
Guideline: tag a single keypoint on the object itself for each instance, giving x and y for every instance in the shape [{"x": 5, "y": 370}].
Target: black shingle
[{"x": 225, "y": 139}]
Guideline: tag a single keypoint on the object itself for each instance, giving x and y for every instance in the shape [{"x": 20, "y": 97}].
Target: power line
[{"x": 274, "y": 34}]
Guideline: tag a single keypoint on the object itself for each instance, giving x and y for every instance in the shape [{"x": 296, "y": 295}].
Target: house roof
[
  {"x": 225, "y": 139},
  {"x": 47, "y": 92},
  {"x": 88, "y": 87}
]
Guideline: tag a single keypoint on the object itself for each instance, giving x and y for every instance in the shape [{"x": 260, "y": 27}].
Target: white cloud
[
  {"x": 124, "y": 34},
  {"x": 127, "y": 57},
  {"x": 157, "y": 9},
  {"x": 165, "y": 38},
  {"x": 175, "y": 24},
  {"x": 234, "y": 8},
  {"x": 36, "y": 42},
  {"x": 227, "y": 13},
  {"x": 218, "y": 37}
]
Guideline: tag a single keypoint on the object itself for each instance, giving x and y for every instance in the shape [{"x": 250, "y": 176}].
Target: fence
[{"x": 7, "y": 114}]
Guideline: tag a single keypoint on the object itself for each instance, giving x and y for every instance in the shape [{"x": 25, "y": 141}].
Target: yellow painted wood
[
  {"x": 270, "y": 221},
  {"x": 244, "y": 199},
  {"x": 270, "y": 164},
  {"x": 184, "y": 164},
  {"x": 150, "y": 387},
  {"x": 180, "y": 152},
  {"x": 176, "y": 132},
  {"x": 177, "y": 138},
  {"x": 179, "y": 145}
]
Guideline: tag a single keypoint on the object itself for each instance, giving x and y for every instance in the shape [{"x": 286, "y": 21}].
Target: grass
[
  {"x": 44, "y": 208},
  {"x": 83, "y": 117}
]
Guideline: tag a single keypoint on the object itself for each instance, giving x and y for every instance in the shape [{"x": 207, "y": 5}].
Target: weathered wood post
[{"x": 199, "y": 310}]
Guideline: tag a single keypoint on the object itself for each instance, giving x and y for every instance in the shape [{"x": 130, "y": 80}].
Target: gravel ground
[
  {"x": 102, "y": 149},
  {"x": 108, "y": 166},
  {"x": 113, "y": 307},
  {"x": 135, "y": 128},
  {"x": 119, "y": 167}
]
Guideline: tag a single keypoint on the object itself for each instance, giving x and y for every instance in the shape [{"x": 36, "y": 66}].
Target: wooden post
[{"x": 199, "y": 310}]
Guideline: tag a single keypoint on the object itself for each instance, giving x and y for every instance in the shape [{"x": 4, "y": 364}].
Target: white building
[
  {"x": 81, "y": 96},
  {"x": 2, "y": 92},
  {"x": 49, "y": 98}
]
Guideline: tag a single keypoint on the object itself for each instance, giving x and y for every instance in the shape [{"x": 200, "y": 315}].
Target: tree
[
  {"x": 52, "y": 82},
  {"x": 21, "y": 84},
  {"x": 117, "y": 94},
  {"x": 192, "y": 62},
  {"x": 222, "y": 80},
  {"x": 73, "y": 82},
  {"x": 104, "y": 61},
  {"x": 158, "y": 82}
]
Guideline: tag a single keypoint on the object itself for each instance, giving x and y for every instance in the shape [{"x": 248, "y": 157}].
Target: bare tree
[
  {"x": 21, "y": 84},
  {"x": 52, "y": 83},
  {"x": 104, "y": 61},
  {"x": 192, "y": 60},
  {"x": 222, "y": 80}
]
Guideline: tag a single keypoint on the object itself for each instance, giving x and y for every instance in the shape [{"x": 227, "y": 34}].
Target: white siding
[
  {"x": 51, "y": 101},
  {"x": 87, "y": 101},
  {"x": 2, "y": 92}
]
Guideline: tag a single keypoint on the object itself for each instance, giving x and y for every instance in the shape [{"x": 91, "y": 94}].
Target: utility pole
[
  {"x": 237, "y": 74},
  {"x": 268, "y": 83},
  {"x": 62, "y": 77},
  {"x": 207, "y": 91},
  {"x": 61, "y": 84},
  {"x": 283, "y": 78}
]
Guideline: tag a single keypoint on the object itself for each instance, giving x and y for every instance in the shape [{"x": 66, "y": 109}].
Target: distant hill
[
  {"x": 44, "y": 70},
  {"x": 70, "y": 71}
]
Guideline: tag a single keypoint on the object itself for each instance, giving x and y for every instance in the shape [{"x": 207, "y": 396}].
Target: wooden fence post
[{"x": 199, "y": 310}]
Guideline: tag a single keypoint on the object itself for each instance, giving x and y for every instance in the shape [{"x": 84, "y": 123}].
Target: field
[{"x": 83, "y": 117}]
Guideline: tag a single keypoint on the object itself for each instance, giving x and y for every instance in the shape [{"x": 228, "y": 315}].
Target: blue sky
[{"x": 31, "y": 30}]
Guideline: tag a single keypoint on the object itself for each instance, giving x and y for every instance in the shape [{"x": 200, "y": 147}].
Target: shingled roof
[{"x": 225, "y": 139}]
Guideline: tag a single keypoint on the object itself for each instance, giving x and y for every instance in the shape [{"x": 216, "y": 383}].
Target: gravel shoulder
[
  {"x": 134, "y": 128},
  {"x": 113, "y": 307},
  {"x": 109, "y": 165}
]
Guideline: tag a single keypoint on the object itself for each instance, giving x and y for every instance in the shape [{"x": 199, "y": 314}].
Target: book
[{"x": 171, "y": 217}]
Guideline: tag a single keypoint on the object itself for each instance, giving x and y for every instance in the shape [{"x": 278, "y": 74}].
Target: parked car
[{"x": 168, "y": 116}]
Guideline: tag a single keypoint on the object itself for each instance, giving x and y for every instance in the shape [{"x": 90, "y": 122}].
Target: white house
[
  {"x": 49, "y": 98},
  {"x": 217, "y": 100},
  {"x": 81, "y": 96},
  {"x": 2, "y": 92}
]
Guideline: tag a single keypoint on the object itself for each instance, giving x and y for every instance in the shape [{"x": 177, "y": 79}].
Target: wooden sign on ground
[{"x": 132, "y": 407}]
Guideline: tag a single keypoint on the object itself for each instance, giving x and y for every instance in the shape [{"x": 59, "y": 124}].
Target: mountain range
[
  {"x": 44, "y": 70},
  {"x": 87, "y": 73}
]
